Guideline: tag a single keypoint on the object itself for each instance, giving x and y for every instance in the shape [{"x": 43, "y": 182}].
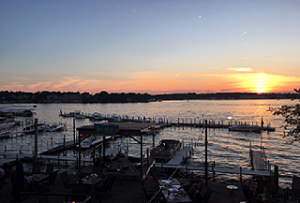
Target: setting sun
[{"x": 260, "y": 84}]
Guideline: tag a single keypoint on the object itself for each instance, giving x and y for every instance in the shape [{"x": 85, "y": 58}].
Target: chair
[
  {"x": 81, "y": 192},
  {"x": 49, "y": 169},
  {"x": 149, "y": 193},
  {"x": 51, "y": 178},
  {"x": 2, "y": 180},
  {"x": 260, "y": 187},
  {"x": 107, "y": 186},
  {"x": 156, "y": 174},
  {"x": 206, "y": 195},
  {"x": 295, "y": 191},
  {"x": 42, "y": 199},
  {"x": 66, "y": 179},
  {"x": 36, "y": 167}
]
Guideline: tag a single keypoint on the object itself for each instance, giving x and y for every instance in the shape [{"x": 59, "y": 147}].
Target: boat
[
  {"x": 86, "y": 143},
  {"x": 31, "y": 128},
  {"x": 6, "y": 125},
  {"x": 245, "y": 128},
  {"x": 55, "y": 128},
  {"x": 96, "y": 117},
  {"x": 4, "y": 134},
  {"x": 166, "y": 149}
]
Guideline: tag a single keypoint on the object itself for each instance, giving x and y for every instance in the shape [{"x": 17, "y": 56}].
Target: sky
[{"x": 143, "y": 46}]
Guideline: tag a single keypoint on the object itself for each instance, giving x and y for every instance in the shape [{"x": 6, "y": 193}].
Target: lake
[{"x": 226, "y": 148}]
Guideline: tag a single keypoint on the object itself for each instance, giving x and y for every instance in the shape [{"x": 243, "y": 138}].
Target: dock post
[
  {"x": 206, "y": 169},
  {"x": 213, "y": 170},
  {"x": 276, "y": 178},
  {"x": 58, "y": 161},
  {"x": 74, "y": 129},
  {"x": 141, "y": 155},
  {"x": 36, "y": 139},
  {"x": 65, "y": 143},
  {"x": 147, "y": 157},
  {"x": 241, "y": 175}
]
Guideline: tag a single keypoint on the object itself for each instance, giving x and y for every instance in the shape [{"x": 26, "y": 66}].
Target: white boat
[
  {"x": 31, "y": 128},
  {"x": 96, "y": 117},
  {"x": 4, "y": 134},
  {"x": 166, "y": 149},
  {"x": 87, "y": 142},
  {"x": 245, "y": 128},
  {"x": 55, "y": 128},
  {"x": 7, "y": 125},
  {"x": 90, "y": 141}
]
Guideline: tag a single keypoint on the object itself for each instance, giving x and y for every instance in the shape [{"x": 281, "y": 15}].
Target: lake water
[{"x": 226, "y": 148}]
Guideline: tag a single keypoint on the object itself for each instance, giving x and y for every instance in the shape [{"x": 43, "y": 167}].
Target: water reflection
[{"x": 229, "y": 149}]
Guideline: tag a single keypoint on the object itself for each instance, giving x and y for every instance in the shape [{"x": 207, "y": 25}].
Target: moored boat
[
  {"x": 4, "y": 134},
  {"x": 31, "y": 128},
  {"x": 166, "y": 149},
  {"x": 55, "y": 128},
  {"x": 245, "y": 128}
]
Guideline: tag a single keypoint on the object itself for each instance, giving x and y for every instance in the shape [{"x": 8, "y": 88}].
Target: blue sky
[{"x": 149, "y": 46}]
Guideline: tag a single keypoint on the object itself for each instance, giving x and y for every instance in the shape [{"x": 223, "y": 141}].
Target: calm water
[{"x": 228, "y": 149}]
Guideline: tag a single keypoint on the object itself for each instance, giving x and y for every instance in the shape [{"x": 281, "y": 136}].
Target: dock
[
  {"x": 181, "y": 155},
  {"x": 257, "y": 161}
]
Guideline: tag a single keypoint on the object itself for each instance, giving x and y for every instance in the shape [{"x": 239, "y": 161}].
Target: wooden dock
[
  {"x": 181, "y": 155},
  {"x": 257, "y": 161}
]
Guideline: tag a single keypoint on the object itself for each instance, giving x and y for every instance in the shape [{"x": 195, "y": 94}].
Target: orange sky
[{"x": 236, "y": 80}]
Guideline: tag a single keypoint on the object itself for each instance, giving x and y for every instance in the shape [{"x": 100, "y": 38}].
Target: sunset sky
[{"x": 157, "y": 46}]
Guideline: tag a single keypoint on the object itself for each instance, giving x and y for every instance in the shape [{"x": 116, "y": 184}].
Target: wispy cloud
[
  {"x": 244, "y": 33},
  {"x": 240, "y": 69},
  {"x": 177, "y": 75}
]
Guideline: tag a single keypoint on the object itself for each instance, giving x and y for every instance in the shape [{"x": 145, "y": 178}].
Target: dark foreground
[{"x": 128, "y": 191}]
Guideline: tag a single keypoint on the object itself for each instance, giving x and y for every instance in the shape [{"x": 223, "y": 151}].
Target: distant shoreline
[{"x": 104, "y": 97}]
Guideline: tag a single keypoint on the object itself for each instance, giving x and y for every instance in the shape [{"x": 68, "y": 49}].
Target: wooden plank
[
  {"x": 258, "y": 161},
  {"x": 180, "y": 155}
]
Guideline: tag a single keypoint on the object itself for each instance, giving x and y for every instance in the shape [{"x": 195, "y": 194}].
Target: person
[
  {"x": 100, "y": 185},
  {"x": 187, "y": 185},
  {"x": 197, "y": 196},
  {"x": 18, "y": 182},
  {"x": 193, "y": 190},
  {"x": 2, "y": 174}
]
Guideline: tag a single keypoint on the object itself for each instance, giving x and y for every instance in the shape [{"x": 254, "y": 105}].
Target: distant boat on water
[
  {"x": 245, "y": 128},
  {"x": 55, "y": 128},
  {"x": 31, "y": 128}
]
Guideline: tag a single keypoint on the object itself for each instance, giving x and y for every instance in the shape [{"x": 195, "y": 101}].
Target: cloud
[
  {"x": 244, "y": 33},
  {"x": 241, "y": 69},
  {"x": 177, "y": 75}
]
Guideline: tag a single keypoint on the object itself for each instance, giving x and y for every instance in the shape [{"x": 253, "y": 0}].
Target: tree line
[{"x": 105, "y": 97}]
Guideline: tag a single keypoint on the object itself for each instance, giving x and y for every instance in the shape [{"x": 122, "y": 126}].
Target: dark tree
[{"x": 291, "y": 115}]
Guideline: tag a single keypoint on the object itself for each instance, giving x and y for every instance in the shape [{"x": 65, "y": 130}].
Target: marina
[{"x": 187, "y": 127}]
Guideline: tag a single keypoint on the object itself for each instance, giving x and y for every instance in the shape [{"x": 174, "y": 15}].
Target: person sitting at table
[
  {"x": 193, "y": 191},
  {"x": 187, "y": 185},
  {"x": 100, "y": 185},
  {"x": 197, "y": 197},
  {"x": 18, "y": 183}
]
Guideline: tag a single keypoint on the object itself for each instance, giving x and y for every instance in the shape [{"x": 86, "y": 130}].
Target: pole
[
  {"x": 104, "y": 146},
  {"x": 79, "y": 153},
  {"x": 141, "y": 154},
  {"x": 206, "y": 165},
  {"x": 36, "y": 140},
  {"x": 74, "y": 129}
]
